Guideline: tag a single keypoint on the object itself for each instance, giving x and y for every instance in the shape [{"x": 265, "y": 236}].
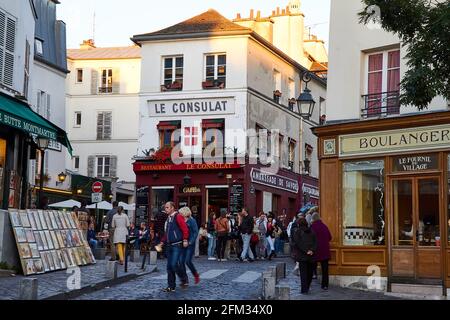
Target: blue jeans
[
  {"x": 186, "y": 260},
  {"x": 279, "y": 245},
  {"x": 211, "y": 246},
  {"x": 246, "y": 246},
  {"x": 93, "y": 243},
  {"x": 174, "y": 254}
]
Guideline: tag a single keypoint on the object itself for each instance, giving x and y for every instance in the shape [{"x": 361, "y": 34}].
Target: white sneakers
[{"x": 212, "y": 258}]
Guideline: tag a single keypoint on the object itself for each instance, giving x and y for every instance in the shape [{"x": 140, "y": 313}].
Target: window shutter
[
  {"x": 48, "y": 106},
  {"x": 100, "y": 125},
  {"x": 91, "y": 166},
  {"x": 10, "y": 39},
  {"x": 94, "y": 81},
  {"x": 116, "y": 80},
  {"x": 107, "y": 125},
  {"x": 38, "y": 103},
  {"x": 32, "y": 172},
  {"x": 113, "y": 167},
  {"x": 2, "y": 42}
]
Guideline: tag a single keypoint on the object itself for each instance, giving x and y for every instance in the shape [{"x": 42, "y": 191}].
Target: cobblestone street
[{"x": 230, "y": 280}]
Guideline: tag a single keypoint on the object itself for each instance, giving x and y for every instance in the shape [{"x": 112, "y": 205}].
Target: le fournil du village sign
[{"x": 186, "y": 107}]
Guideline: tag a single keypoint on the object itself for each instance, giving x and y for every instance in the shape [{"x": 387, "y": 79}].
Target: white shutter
[
  {"x": 91, "y": 166},
  {"x": 10, "y": 39},
  {"x": 116, "y": 80},
  {"x": 38, "y": 103},
  {"x": 32, "y": 172},
  {"x": 100, "y": 123},
  {"x": 94, "y": 81},
  {"x": 113, "y": 166},
  {"x": 48, "y": 107}
]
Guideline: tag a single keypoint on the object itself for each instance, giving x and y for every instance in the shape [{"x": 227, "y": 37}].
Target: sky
[{"x": 116, "y": 21}]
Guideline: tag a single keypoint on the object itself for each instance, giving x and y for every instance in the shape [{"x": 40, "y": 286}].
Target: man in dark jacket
[
  {"x": 322, "y": 253},
  {"x": 246, "y": 229},
  {"x": 306, "y": 244}
]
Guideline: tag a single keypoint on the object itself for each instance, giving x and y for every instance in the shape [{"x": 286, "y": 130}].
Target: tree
[{"x": 423, "y": 26}]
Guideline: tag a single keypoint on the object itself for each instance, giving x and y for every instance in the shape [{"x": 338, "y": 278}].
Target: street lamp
[
  {"x": 305, "y": 102},
  {"x": 61, "y": 178},
  {"x": 42, "y": 144}
]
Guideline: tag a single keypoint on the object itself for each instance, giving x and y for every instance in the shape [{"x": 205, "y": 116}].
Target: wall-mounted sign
[
  {"x": 329, "y": 147},
  {"x": 395, "y": 140},
  {"x": 193, "y": 107},
  {"x": 138, "y": 167},
  {"x": 236, "y": 198},
  {"x": 312, "y": 191},
  {"x": 274, "y": 180},
  {"x": 416, "y": 163},
  {"x": 54, "y": 145},
  {"x": 191, "y": 190}
]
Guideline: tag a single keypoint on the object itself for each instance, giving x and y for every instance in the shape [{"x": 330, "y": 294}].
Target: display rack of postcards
[{"x": 49, "y": 240}]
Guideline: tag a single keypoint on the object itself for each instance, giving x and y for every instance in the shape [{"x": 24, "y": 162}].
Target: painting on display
[{"x": 49, "y": 240}]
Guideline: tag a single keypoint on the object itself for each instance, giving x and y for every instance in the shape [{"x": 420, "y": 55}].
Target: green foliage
[
  {"x": 424, "y": 29},
  {"x": 4, "y": 265}
]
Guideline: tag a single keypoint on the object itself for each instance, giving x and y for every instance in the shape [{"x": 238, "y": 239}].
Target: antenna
[{"x": 93, "y": 28}]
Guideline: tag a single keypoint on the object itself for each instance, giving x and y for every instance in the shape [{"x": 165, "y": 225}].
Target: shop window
[
  {"x": 169, "y": 133},
  {"x": 213, "y": 136},
  {"x": 363, "y": 203},
  {"x": 217, "y": 200},
  {"x": 448, "y": 215},
  {"x": 159, "y": 198}
]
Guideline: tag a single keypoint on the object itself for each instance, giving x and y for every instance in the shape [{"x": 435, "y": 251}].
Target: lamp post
[
  {"x": 42, "y": 144},
  {"x": 61, "y": 178}
]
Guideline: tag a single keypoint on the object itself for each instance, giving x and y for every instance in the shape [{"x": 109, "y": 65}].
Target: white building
[
  {"x": 211, "y": 73},
  {"x": 48, "y": 95},
  {"x": 103, "y": 114},
  {"x": 366, "y": 65}
]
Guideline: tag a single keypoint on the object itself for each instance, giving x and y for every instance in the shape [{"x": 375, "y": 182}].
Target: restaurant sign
[
  {"x": 139, "y": 167},
  {"x": 313, "y": 191},
  {"x": 274, "y": 180},
  {"x": 191, "y": 190},
  {"x": 27, "y": 126},
  {"x": 416, "y": 163},
  {"x": 395, "y": 140},
  {"x": 191, "y": 107}
]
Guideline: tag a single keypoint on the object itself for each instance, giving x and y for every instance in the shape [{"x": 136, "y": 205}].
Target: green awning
[{"x": 19, "y": 115}]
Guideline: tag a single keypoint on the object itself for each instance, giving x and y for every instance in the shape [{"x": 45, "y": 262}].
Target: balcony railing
[
  {"x": 380, "y": 104},
  {"x": 105, "y": 90}
]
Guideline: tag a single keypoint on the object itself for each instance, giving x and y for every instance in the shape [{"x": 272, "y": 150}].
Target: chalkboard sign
[
  {"x": 142, "y": 204},
  {"x": 236, "y": 198}
]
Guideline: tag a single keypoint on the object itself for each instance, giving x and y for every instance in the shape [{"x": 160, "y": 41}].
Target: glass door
[{"x": 415, "y": 207}]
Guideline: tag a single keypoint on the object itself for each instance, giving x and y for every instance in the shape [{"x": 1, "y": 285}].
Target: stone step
[{"x": 417, "y": 289}]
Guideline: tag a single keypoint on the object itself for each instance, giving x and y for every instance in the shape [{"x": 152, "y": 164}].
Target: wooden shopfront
[{"x": 384, "y": 188}]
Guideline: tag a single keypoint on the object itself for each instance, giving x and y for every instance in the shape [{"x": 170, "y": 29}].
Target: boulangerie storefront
[{"x": 385, "y": 193}]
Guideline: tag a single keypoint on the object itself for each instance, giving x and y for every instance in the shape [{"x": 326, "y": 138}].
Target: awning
[
  {"x": 18, "y": 114},
  {"x": 213, "y": 123},
  {"x": 169, "y": 125}
]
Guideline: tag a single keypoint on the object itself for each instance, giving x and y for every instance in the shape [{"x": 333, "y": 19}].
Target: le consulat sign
[
  {"x": 390, "y": 141},
  {"x": 193, "y": 107}
]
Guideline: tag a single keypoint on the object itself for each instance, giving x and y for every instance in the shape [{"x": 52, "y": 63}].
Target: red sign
[
  {"x": 97, "y": 187},
  {"x": 139, "y": 167}
]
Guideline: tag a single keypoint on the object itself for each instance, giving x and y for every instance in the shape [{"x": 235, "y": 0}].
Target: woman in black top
[{"x": 306, "y": 243}]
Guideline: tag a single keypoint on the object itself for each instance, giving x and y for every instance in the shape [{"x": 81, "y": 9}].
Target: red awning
[
  {"x": 169, "y": 125},
  {"x": 213, "y": 123}
]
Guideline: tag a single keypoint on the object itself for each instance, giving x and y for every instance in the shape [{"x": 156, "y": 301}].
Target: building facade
[
  {"x": 216, "y": 84},
  {"x": 103, "y": 115},
  {"x": 20, "y": 125},
  {"x": 383, "y": 166}
]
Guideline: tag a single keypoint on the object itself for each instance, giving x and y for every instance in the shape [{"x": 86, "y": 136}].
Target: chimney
[
  {"x": 278, "y": 11},
  {"x": 238, "y": 16},
  {"x": 288, "y": 11},
  {"x": 251, "y": 13},
  {"x": 283, "y": 12},
  {"x": 87, "y": 44},
  {"x": 258, "y": 15},
  {"x": 273, "y": 13}
]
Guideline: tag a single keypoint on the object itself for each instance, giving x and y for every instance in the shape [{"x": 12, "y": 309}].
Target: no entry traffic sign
[{"x": 97, "y": 187}]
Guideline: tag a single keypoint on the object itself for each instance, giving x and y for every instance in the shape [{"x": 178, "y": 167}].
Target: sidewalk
[{"x": 53, "y": 285}]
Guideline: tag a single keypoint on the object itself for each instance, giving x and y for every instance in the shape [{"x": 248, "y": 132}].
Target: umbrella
[
  {"x": 66, "y": 204},
  {"x": 104, "y": 205},
  {"x": 126, "y": 206}
]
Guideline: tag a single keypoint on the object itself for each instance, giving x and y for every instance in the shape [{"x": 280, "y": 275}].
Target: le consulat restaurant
[{"x": 385, "y": 194}]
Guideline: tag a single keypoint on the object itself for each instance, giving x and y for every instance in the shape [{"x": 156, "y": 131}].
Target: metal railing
[
  {"x": 104, "y": 89},
  {"x": 380, "y": 104}
]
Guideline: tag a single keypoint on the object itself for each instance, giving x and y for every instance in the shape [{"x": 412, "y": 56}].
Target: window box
[
  {"x": 175, "y": 86},
  {"x": 291, "y": 104},
  {"x": 210, "y": 84},
  {"x": 277, "y": 95}
]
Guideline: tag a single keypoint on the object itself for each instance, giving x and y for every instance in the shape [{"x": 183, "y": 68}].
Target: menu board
[
  {"x": 49, "y": 240},
  {"x": 142, "y": 194},
  {"x": 236, "y": 198}
]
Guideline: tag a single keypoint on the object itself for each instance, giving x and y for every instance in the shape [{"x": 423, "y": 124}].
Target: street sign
[
  {"x": 97, "y": 187},
  {"x": 96, "y": 197}
]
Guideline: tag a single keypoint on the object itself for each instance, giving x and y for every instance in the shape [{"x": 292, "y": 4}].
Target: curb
[{"x": 99, "y": 286}]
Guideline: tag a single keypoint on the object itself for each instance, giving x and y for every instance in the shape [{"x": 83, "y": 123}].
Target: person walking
[
  {"x": 261, "y": 225},
  {"x": 270, "y": 237},
  {"x": 222, "y": 227},
  {"x": 120, "y": 223},
  {"x": 246, "y": 229},
  {"x": 306, "y": 244},
  {"x": 322, "y": 254},
  {"x": 211, "y": 236},
  {"x": 108, "y": 226},
  {"x": 175, "y": 239},
  {"x": 188, "y": 254}
]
